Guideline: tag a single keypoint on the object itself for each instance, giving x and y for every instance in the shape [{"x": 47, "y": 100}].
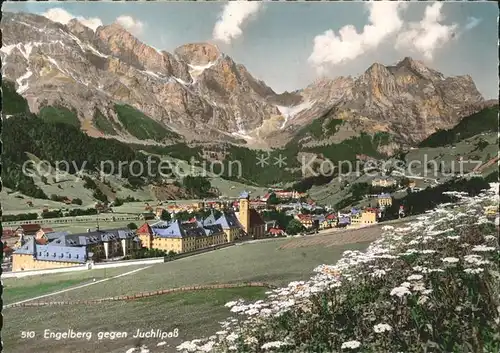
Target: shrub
[
  {"x": 76, "y": 201},
  {"x": 132, "y": 226},
  {"x": 165, "y": 216},
  {"x": 294, "y": 227},
  {"x": 19, "y": 217},
  {"x": 79, "y": 212}
]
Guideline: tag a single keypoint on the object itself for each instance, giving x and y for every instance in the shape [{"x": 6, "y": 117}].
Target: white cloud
[
  {"x": 130, "y": 24},
  {"x": 62, "y": 16},
  {"x": 331, "y": 49},
  {"x": 472, "y": 22},
  {"x": 234, "y": 15},
  {"x": 429, "y": 34}
]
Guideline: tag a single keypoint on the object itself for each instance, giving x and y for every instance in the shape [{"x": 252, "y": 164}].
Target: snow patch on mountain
[
  {"x": 7, "y": 49},
  {"x": 96, "y": 52},
  {"x": 291, "y": 111},
  {"x": 182, "y": 82},
  {"x": 23, "y": 87},
  {"x": 24, "y": 48},
  {"x": 242, "y": 134},
  {"x": 151, "y": 73},
  {"x": 197, "y": 70}
]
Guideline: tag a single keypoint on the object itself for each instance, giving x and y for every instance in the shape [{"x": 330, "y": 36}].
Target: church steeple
[{"x": 244, "y": 211}]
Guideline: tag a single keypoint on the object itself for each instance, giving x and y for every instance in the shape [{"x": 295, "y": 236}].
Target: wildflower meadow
[{"x": 432, "y": 285}]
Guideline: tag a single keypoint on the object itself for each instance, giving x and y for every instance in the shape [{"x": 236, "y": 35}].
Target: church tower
[{"x": 244, "y": 211}]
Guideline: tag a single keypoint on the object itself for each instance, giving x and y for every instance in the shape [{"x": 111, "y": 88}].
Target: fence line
[
  {"x": 72, "y": 219},
  {"x": 145, "y": 294}
]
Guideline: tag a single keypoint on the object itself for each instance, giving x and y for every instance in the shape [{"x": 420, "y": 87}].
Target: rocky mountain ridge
[{"x": 203, "y": 95}]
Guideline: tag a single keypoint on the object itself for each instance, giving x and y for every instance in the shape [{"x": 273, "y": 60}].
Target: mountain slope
[
  {"x": 484, "y": 121},
  {"x": 74, "y": 67},
  {"x": 197, "y": 89},
  {"x": 407, "y": 100}
]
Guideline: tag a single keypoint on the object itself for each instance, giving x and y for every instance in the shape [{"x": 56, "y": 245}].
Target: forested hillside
[{"x": 484, "y": 121}]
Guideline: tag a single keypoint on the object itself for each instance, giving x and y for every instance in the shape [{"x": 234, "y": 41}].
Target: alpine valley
[{"x": 73, "y": 93}]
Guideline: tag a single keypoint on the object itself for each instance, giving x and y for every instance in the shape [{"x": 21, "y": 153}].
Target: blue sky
[{"x": 287, "y": 46}]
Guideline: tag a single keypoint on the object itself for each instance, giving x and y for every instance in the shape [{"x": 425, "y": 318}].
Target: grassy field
[
  {"x": 17, "y": 289},
  {"x": 193, "y": 314},
  {"x": 262, "y": 261}
]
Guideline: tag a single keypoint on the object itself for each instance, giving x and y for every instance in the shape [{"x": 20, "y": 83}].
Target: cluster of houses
[
  {"x": 285, "y": 195},
  {"x": 355, "y": 218},
  {"x": 42, "y": 248},
  {"x": 352, "y": 219},
  {"x": 36, "y": 247}
]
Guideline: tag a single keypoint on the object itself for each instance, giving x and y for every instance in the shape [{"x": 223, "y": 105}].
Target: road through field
[{"x": 76, "y": 287}]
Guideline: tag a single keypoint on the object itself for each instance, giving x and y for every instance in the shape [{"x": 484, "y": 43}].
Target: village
[{"x": 180, "y": 229}]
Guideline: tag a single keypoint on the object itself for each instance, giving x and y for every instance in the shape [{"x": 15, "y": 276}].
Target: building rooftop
[
  {"x": 209, "y": 220},
  {"x": 228, "y": 220},
  {"x": 145, "y": 228},
  {"x": 319, "y": 218},
  {"x": 30, "y": 227},
  {"x": 255, "y": 218},
  {"x": 344, "y": 220},
  {"x": 54, "y": 235},
  {"x": 50, "y": 252},
  {"x": 176, "y": 229},
  {"x": 384, "y": 196},
  {"x": 27, "y": 248},
  {"x": 384, "y": 178},
  {"x": 94, "y": 237}
]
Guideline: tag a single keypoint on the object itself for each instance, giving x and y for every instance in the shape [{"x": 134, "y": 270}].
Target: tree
[
  {"x": 99, "y": 195},
  {"x": 197, "y": 185},
  {"x": 359, "y": 190},
  {"x": 57, "y": 198},
  {"x": 305, "y": 211},
  {"x": 281, "y": 218},
  {"x": 76, "y": 201},
  {"x": 404, "y": 182},
  {"x": 52, "y": 214},
  {"x": 165, "y": 216},
  {"x": 207, "y": 212},
  {"x": 294, "y": 227},
  {"x": 182, "y": 216},
  {"x": 481, "y": 144},
  {"x": 132, "y": 226},
  {"x": 273, "y": 199}
]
